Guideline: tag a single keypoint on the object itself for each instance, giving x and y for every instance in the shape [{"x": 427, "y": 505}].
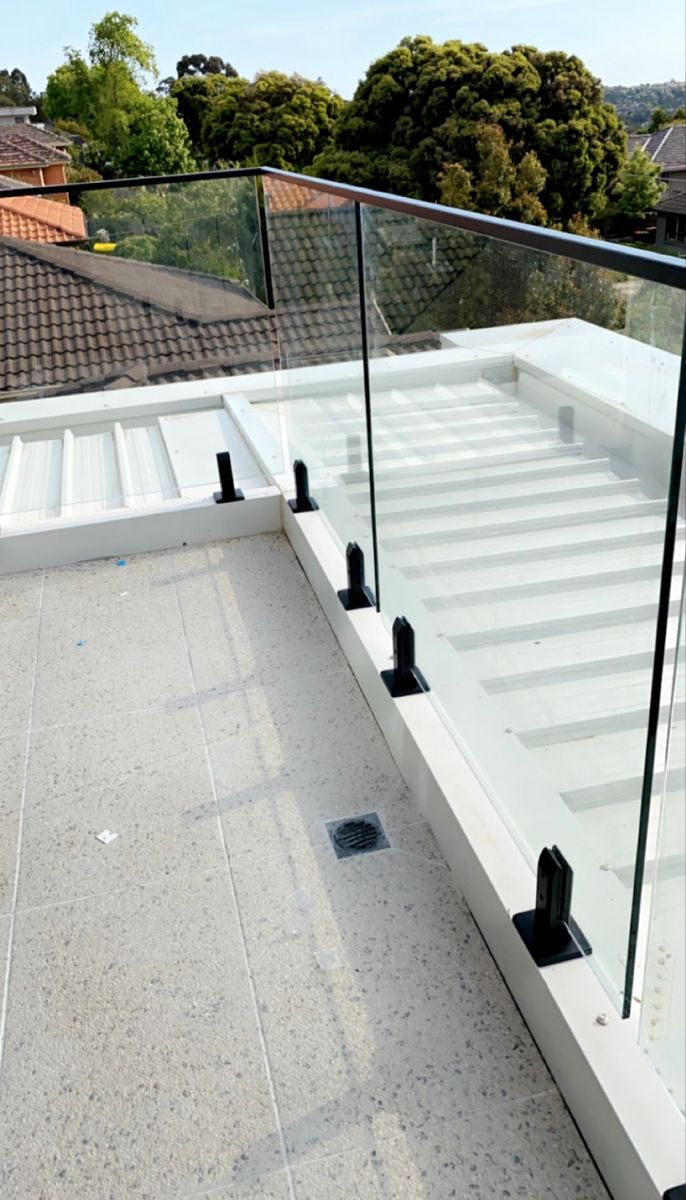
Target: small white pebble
[{"x": 106, "y": 837}]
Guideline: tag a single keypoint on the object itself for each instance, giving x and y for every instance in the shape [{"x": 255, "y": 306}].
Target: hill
[{"x": 635, "y": 104}]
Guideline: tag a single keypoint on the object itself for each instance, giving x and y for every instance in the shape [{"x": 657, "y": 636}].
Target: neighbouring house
[
  {"x": 667, "y": 147},
  {"x": 14, "y": 115},
  {"x": 33, "y": 156}
]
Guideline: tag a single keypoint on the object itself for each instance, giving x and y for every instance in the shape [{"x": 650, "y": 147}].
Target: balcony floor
[{"x": 213, "y": 1004}]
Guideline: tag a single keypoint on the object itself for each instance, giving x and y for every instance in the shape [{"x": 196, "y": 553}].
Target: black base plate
[
  {"x": 219, "y": 498},
  {"x": 363, "y": 599},
  {"x": 676, "y": 1193},
  {"x": 575, "y": 946},
  {"x": 415, "y": 688},
  {"x": 312, "y": 506}
]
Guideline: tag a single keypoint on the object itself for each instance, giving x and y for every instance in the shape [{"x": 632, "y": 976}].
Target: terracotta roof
[
  {"x": 48, "y": 137},
  {"x": 290, "y": 197},
  {"x": 21, "y": 147},
  {"x": 667, "y": 147},
  {"x": 74, "y": 321},
  {"x": 35, "y": 219}
]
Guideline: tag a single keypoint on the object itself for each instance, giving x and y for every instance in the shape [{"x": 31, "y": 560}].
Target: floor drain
[{"x": 357, "y": 835}]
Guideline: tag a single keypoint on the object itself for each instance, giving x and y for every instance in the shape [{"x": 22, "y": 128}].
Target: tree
[
  {"x": 69, "y": 90},
  {"x": 113, "y": 40},
  {"x": 640, "y": 186},
  {"x": 283, "y": 120},
  {"x": 495, "y": 174},
  {"x": 422, "y": 105},
  {"x": 455, "y": 184},
  {"x": 199, "y": 64},
  {"x": 658, "y": 120},
  {"x": 15, "y": 89},
  {"x": 196, "y": 96},
  {"x": 128, "y": 129},
  {"x": 207, "y": 225},
  {"x": 157, "y": 142},
  {"x": 499, "y": 187}
]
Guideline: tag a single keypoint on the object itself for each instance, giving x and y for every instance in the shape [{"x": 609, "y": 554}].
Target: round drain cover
[{"x": 356, "y": 835}]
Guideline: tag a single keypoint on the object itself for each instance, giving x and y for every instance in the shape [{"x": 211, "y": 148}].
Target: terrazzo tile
[
  {"x": 17, "y": 654},
  {"x": 293, "y": 903},
  {"x": 132, "y": 1060},
  {"x": 220, "y": 648},
  {"x": 9, "y": 830},
  {"x": 20, "y": 596},
  {"x": 12, "y": 760},
  {"x": 108, "y": 753},
  {"x": 371, "y": 978},
  {"x": 250, "y": 614},
  {"x": 165, "y": 823},
  {"x": 98, "y": 580},
  {"x": 274, "y": 1188},
  {"x": 529, "y": 1150},
  {"x": 280, "y": 771},
  {"x": 76, "y": 683}
]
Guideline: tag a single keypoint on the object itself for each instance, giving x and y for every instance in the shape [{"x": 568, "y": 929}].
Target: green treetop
[{"x": 425, "y": 106}]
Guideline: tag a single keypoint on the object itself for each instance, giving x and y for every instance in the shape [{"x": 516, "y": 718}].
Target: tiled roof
[
  {"x": 75, "y": 321},
  {"x": 673, "y": 202},
  {"x": 667, "y": 147},
  {"x": 290, "y": 197},
  {"x": 411, "y": 263},
  {"x": 22, "y": 146},
  {"x": 67, "y": 332},
  {"x": 48, "y": 137},
  {"x": 36, "y": 219}
]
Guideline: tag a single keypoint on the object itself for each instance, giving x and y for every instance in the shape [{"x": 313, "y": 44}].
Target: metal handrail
[{"x": 641, "y": 264}]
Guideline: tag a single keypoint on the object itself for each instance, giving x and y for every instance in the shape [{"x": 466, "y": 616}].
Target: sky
[{"x": 618, "y": 39}]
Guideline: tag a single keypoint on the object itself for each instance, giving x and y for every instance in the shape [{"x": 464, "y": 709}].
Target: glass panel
[
  {"x": 313, "y": 253},
  {"x": 663, "y": 999},
  {"x": 141, "y": 285},
  {"x": 523, "y": 411}
]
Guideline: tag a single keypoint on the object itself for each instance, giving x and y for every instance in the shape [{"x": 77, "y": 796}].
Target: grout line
[
  {"x": 212, "y": 1188},
  {"x": 168, "y": 706},
  {"x": 22, "y": 806},
  {"x": 118, "y": 891},
  {"x": 239, "y": 921}
]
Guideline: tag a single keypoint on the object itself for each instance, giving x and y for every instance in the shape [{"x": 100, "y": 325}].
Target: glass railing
[
  {"x": 156, "y": 284},
  {"x": 660, "y": 984},
  {"x": 522, "y": 468},
  {"x": 495, "y": 414},
  {"x": 313, "y": 248},
  {"x": 516, "y": 485}
]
